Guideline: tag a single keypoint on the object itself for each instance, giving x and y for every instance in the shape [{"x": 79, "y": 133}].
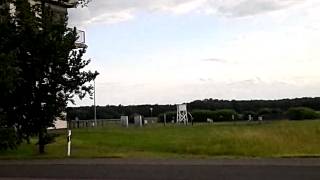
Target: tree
[
  {"x": 301, "y": 113},
  {"x": 9, "y": 77},
  {"x": 51, "y": 70},
  {"x": 83, "y": 2}
]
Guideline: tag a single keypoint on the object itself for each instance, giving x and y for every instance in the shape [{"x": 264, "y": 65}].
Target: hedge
[{"x": 300, "y": 113}]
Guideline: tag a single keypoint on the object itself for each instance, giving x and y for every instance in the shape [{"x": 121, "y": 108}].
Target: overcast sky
[{"x": 174, "y": 51}]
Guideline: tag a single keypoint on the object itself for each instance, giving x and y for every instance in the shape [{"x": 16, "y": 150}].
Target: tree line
[{"x": 270, "y": 109}]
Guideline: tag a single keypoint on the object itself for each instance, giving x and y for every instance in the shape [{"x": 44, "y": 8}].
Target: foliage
[
  {"x": 271, "y": 113},
  {"x": 224, "y": 115},
  {"x": 202, "y": 115},
  {"x": 300, "y": 113},
  {"x": 170, "y": 116},
  {"x": 246, "y": 114},
  {"x": 216, "y": 116},
  {"x": 269, "y": 109},
  {"x": 112, "y": 112},
  {"x": 44, "y": 67},
  {"x": 49, "y": 138},
  {"x": 254, "y": 105},
  {"x": 8, "y": 139},
  {"x": 83, "y": 3},
  {"x": 9, "y": 77}
]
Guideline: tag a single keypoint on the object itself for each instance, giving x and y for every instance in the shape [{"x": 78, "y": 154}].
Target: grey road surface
[{"x": 134, "y": 169}]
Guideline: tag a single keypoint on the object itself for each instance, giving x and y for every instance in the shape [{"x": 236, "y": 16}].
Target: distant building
[{"x": 60, "y": 122}]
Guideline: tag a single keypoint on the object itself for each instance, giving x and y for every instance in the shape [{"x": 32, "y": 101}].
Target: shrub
[
  {"x": 217, "y": 115},
  {"x": 245, "y": 115},
  {"x": 8, "y": 138},
  {"x": 300, "y": 113},
  {"x": 202, "y": 115},
  {"x": 224, "y": 115},
  {"x": 271, "y": 113}
]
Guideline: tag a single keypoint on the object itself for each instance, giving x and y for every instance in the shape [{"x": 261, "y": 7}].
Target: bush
[
  {"x": 300, "y": 113},
  {"x": 271, "y": 113},
  {"x": 8, "y": 138},
  {"x": 49, "y": 138},
  {"x": 218, "y": 115},
  {"x": 201, "y": 115},
  {"x": 245, "y": 115},
  {"x": 224, "y": 115}
]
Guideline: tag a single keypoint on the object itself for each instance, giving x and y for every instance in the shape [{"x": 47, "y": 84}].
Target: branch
[{"x": 84, "y": 3}]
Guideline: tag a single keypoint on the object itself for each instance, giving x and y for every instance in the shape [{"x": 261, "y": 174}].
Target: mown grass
[{"x": 228, "y": 140}]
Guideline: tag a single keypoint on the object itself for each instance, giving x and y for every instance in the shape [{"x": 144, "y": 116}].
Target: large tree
[
  {"x": 9, "y": 76},
  {"x": 50, "y": 69}
]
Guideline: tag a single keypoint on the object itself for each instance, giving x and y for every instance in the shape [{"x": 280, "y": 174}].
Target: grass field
[{"x": 227, "y": 140}]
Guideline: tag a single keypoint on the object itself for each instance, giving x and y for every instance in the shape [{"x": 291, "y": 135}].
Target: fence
[{"x": 91, "y": 123}]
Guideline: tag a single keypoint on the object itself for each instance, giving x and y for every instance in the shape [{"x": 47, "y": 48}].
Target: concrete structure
[
  {"x": 138, "y": 120},
  {"x": 151, "y": 120},
  {"x": 124, "y": 121}
]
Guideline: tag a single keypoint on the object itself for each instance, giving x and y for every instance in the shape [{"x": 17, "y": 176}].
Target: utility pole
[{"x": 94, "y": 102}]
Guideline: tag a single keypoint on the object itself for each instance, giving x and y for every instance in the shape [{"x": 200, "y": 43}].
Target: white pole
[
  {"x": 233, "y": 118},
  {"x": 94, "y": 101},
  {"x": 69, "y": 142},
  {"x": 151, "y": 111},
  {"x": 178, "y": 113}
]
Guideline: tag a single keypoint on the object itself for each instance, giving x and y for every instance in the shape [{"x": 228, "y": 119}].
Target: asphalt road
[{"x": 133, "y": 169}]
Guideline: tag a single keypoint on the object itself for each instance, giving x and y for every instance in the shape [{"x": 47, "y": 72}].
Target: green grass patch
[{"x": 272, "y": 139}]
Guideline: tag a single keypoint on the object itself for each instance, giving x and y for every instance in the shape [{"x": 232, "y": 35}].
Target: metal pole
[
  {"x": 151, "y": 111},
  {"x": 94, "y": 101}
]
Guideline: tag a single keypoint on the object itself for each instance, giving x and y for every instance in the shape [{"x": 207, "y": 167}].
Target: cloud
[
  {"x": 205, "y": 79},
  {"x": 111, "y": 18},
  {"x": 254, "y": 88},
  {"x": 182, "y": 8},
  {"x": 252, "y": 7},
  {"x": 217, "y": 60},
  {"x": 114, "y": 11}
]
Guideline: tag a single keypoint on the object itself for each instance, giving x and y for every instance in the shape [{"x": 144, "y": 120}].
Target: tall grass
[{"x": 276, "y": 139}]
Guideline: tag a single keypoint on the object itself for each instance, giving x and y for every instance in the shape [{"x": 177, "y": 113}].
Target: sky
[{"x": 176, "y": 51}]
